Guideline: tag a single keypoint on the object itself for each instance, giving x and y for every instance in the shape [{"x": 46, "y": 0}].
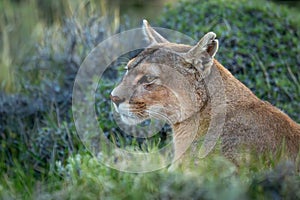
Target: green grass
[
  {"x": 40, "y": 154},
  {"x": 83, "y": 177}
]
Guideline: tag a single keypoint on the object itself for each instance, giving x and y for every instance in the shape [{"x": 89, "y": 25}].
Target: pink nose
[{"x": 117, "y": 100}]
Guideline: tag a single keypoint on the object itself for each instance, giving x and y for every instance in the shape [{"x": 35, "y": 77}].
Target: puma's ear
[
  {"x": 208, "y": 44},
  {"x": 151, "y": 35},
  {"x": 202, "y": 54}
]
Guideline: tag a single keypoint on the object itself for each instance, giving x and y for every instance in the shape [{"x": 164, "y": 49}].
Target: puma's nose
[{"x": 117, "y": 100}]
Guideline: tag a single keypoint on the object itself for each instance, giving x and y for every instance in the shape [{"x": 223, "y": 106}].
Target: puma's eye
[{"x": 147, "y": 79}]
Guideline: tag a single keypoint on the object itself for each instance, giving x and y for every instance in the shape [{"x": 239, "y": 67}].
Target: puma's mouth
[
  {"x": 127, "y": 116},
  {"x": 116, "y": 107},
  {"x": 131, "y": 120}
]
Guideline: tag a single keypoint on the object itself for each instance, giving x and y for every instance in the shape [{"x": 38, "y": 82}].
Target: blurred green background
[
  {"x": 42, "y": 44},
  {"x": 23, "y": 23}
]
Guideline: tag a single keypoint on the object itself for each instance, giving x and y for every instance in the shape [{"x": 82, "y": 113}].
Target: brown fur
[
  {"x": 254, "y": 123},
  {"x": 179, "y": 92}
]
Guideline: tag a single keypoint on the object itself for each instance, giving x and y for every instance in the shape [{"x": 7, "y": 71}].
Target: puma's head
[{"x": 166, "y": 80}]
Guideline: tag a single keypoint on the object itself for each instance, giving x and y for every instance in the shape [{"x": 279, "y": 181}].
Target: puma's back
[{"x": 255, "y": 124}]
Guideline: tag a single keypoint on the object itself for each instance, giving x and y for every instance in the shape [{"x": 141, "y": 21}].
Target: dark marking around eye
[{"x": 147, "y": 79}]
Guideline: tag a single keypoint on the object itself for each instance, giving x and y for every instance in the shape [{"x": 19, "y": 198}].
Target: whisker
[
  {"x": 164, "y": 116},
  {"x": 131, "y": 110}
]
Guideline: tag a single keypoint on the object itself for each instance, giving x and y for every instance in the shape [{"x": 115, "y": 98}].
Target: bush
[
  {"x": 36, "y": 126},
  {"x": 258, "y": 44},
  {"x": 84, "y": 178}
]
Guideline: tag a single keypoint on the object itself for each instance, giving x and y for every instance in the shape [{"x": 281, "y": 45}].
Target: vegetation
[
  {"x": 258, "y": 44},
  {"x": 41, "y": 156}
]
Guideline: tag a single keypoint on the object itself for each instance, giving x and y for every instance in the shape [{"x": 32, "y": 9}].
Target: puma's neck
[
  {"x": 198, "y": 121},
  {"x": 235, "y": 91},
  {"x": 188, "y": 130}
]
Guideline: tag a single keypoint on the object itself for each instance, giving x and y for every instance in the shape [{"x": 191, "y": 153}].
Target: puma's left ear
[
  {"x": 208, "y": 44},
  {"x": 151, "y": 35}
]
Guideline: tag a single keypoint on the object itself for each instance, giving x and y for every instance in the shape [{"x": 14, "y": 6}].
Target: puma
[{"x": 171, "y": 81}]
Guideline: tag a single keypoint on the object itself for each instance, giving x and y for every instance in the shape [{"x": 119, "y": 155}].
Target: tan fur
[{"x": 179, "y": 93}]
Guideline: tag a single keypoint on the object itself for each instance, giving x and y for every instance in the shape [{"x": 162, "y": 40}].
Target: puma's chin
[{"x": 131, "y": 120}]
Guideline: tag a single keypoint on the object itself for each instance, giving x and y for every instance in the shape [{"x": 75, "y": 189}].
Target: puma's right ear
[
  {"x": 151, "y": 35},
  {"x": 208, "y": 43},
  {"x": 202, "y": 54}
]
